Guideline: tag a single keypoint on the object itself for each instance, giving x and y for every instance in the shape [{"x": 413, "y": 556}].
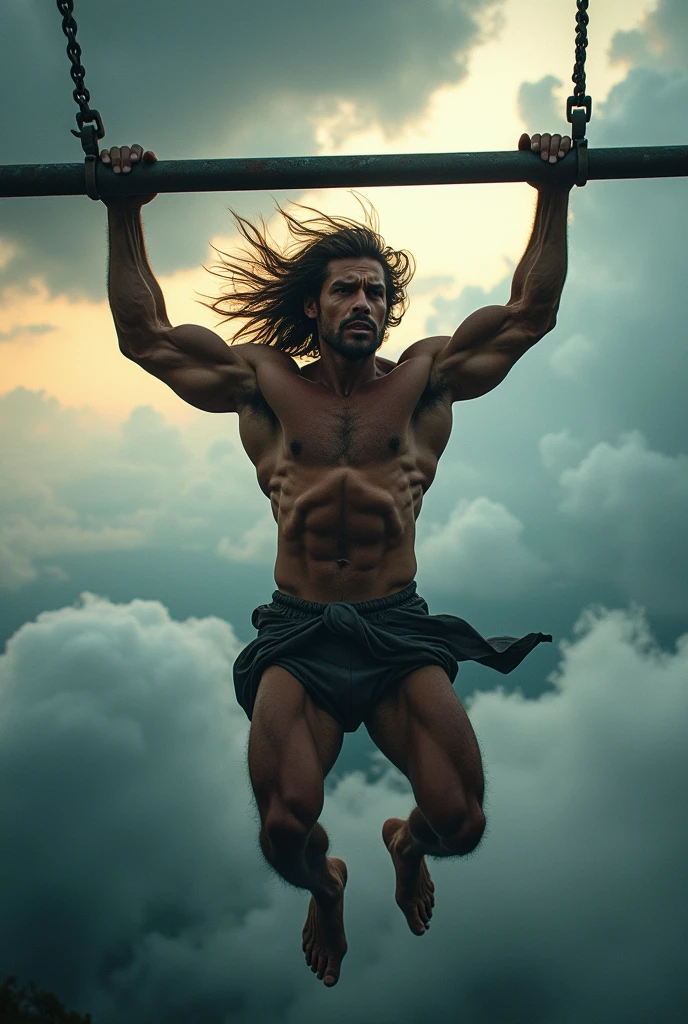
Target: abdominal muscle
[{"x": 344, "y": 533}]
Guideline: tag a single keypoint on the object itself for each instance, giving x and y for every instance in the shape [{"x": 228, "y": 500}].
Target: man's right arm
[{"x": 192, "y": 360}]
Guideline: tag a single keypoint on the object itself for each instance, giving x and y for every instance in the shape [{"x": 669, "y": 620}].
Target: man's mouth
[{"x": 358, "y": 325}]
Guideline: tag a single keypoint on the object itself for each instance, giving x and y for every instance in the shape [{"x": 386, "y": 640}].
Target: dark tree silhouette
[{"x": 34, "y": 1006}]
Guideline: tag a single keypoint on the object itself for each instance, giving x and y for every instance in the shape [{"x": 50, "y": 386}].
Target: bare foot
[
  {"x": 415, "y": 889},
  {"x": 324, "y": 941}
]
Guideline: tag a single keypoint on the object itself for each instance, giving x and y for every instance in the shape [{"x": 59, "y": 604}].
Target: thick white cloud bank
[{"x": 138, "y": 891}]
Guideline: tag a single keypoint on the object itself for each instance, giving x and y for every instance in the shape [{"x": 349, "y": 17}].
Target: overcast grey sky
[
  {"x": 128, "y": 847},
  {"x": 204, "y": 80}
]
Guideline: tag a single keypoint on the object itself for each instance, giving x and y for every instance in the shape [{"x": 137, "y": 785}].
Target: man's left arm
[{"x": 488, "y": 343}]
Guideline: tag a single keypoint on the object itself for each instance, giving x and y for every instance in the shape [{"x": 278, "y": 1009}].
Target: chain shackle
[
  {"x": 579, "y": 106},
  {"x": 88, "y": 133}
]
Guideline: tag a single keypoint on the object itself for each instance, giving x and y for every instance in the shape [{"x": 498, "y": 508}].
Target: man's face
[{"x": 352, "y": 308}]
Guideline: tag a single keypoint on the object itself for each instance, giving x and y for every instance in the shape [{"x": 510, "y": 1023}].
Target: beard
[{"x": 352, "y": 349}]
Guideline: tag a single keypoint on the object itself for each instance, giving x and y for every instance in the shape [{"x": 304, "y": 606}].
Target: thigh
[
  {"x": 422, "y": 727},
  {"x": 292, "y": 746}
]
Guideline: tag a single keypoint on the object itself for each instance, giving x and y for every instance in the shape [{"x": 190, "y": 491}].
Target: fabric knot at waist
[{"x": 341, "y": 617}]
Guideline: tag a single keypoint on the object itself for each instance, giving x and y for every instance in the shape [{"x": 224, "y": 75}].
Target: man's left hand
[{"x": 551, "y": 148}]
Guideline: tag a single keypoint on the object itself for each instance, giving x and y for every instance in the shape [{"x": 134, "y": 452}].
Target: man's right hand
[{"x": 121, "y": 161}]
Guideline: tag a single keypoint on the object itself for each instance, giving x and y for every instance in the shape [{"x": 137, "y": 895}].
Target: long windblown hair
[{"x": 268, "y": 284}]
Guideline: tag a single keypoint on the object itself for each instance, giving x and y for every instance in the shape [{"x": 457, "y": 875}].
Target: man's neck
[{"x": 344, "y": 376}]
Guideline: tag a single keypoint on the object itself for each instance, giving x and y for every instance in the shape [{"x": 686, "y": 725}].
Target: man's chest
[{"x": 402, "y": 414}]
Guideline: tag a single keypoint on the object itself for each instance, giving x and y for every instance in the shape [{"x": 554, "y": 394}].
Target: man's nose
[{"x": 361, "y": 303}]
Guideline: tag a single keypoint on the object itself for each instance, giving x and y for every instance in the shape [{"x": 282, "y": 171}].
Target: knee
[
  {"x": 465, "y": 836},
  {"x": 283, "y": 833},
  {"x": 289, "y": 815}
]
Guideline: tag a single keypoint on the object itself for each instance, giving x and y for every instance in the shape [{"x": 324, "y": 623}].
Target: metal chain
[
  {"x": 582, "y": 21},
  {"x": 579, "y": 106},
  {"x": 88, "y": 132},
  {"x": 81, "y": 93}
]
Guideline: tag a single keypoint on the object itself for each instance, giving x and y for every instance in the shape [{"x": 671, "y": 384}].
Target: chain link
[
  {"x": 88, "y": 133},
  {"x": 578, "y": 78},
  {"x": 579, "y": 106},
  {"x": 81, "y": 94}
]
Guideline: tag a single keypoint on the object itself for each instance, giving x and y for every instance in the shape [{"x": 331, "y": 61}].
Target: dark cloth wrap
[{"x": 346, "y": 655}]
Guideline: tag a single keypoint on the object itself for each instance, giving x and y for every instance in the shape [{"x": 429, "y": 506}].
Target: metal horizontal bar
[{"x": 273, "y": 173}]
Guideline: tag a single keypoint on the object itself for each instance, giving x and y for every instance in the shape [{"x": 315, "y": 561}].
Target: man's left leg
[{"x": 423, "y": 728}]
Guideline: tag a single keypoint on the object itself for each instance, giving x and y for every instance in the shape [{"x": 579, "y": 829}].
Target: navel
[
  {"x": 296, "y": 447},
  {"x": 394, "y": 442}
]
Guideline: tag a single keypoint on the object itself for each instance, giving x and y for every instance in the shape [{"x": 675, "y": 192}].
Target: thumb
[{"x": 524, "y": 141}]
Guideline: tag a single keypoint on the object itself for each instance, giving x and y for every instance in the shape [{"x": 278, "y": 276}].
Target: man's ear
[{"x": 310, "y": 307}]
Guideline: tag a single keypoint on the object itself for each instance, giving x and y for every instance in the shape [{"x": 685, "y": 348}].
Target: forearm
[
  {"x": 540, "y": 276},
  {"x": 136, "y": 299}
]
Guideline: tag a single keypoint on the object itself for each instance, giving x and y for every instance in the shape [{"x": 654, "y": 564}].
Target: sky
[{"x": 135, "y": 542}]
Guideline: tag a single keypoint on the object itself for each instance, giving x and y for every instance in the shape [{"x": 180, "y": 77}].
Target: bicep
[
  {"x": 484, "y": 348},
  {"x": 198, "y": 366}
]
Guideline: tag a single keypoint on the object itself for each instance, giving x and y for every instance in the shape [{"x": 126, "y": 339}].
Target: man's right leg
[{"x": 292, "y": 746}]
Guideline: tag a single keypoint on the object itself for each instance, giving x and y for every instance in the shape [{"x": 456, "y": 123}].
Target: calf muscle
[{"x": 300, "y": 858}]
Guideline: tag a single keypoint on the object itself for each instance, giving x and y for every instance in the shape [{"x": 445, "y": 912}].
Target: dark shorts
[{"x": 347, "y": 655}]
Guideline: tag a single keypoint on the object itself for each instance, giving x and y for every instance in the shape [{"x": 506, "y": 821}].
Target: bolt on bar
[{"x": 272, "y": 173}]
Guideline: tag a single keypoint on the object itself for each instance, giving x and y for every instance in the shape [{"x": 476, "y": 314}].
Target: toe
[{"x": 331, "y": 978}]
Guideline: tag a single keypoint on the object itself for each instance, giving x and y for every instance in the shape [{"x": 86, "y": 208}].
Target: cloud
[
  {"x": 258, "y": 545},
  {"x": 661, "y": 41},
  {"x": 558, "y": 450},
  {"x": 72, "y": 483},
  {"x": 36, "y": 329},
  {"x": 24, "y": 542},
  {"x": 537, "y": 104},
  {"x": 139, "y": 892},
  {"x": 479, "y": 551},
  {"x": 629, "y": 506},
  {"x": 574, "y": 357}
]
